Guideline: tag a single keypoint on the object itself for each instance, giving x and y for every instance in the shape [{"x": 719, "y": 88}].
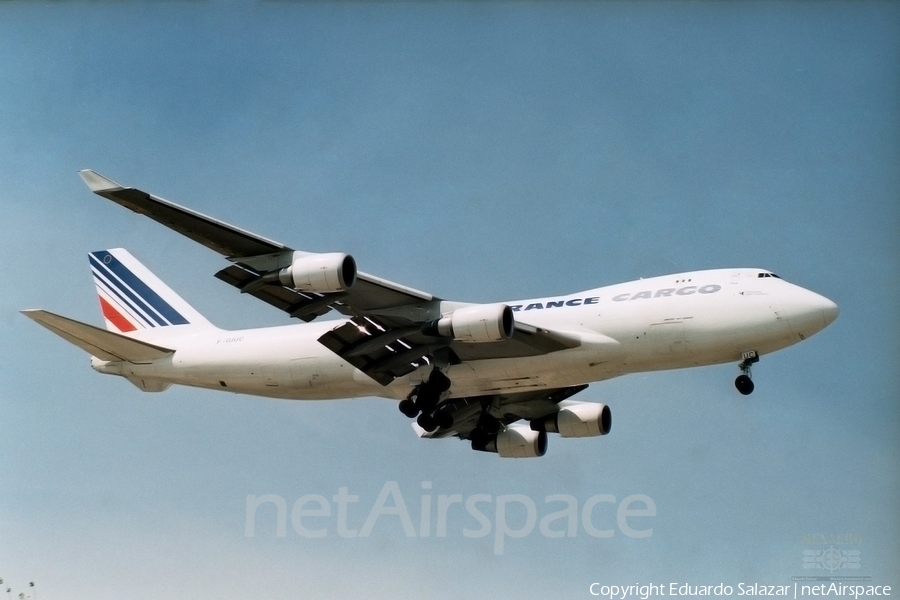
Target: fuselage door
[
  {"x": 271, "y": 375},
  {"x": 305, "y": 372}
]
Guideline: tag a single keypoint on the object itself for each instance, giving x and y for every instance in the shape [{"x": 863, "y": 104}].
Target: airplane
[{"x": 499, "y": 375}]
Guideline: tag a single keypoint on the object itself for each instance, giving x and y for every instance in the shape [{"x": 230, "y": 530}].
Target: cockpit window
[{"x": 761, "y": 275}]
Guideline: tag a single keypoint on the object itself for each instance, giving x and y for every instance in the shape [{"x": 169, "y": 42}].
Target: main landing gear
[
  {"x": 743, "y": 383},
  {"x": 423, "y": 402},
  {"x": 486, "y": 429}
]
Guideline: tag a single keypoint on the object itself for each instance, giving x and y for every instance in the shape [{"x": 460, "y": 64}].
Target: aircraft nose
[
  {"x": 830, "y": 310},
  {"x": 811, "y": 312}
]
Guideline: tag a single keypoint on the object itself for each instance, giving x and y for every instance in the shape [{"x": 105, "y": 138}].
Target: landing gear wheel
[
  {"x": 487, "y": 423},
  {"x": 426, "y": 396},
  {"x": 744, "y": 384},
  {"x": 479, "y": 439},
  {"x": 444, "y": 419},
  {"x": 440, "y": 381},
  {"x": 408, "y": 408},
  {"x": 427, "y": 422}
]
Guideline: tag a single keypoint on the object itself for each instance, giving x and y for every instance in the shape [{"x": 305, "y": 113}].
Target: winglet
[{"x": 97, "y": 182}]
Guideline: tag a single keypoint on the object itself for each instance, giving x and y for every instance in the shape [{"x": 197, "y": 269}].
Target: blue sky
[{"x": 483, "y": 152}]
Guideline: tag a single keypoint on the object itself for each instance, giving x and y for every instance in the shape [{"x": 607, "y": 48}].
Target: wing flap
[
  {"x": 304, "y": 306},
  {"x": 103, "y": 344},
  {"x": 381, "y": 351}
]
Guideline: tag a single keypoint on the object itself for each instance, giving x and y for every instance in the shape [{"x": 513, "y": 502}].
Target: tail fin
[{"x": 133, "y": 299}]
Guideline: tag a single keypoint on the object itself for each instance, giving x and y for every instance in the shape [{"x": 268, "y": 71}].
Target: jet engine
[
  {"x": 321, "y": 273},
  {"x": 475, "y": 324},
  {"x": 516, "y": 441},
  {"x": 576, "y": 419}
]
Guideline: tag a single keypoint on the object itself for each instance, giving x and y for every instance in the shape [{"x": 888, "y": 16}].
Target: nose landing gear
[{"x": 743, "y": 383}]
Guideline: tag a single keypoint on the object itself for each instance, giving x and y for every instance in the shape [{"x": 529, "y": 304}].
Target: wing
[
  {"x": 253, "y": 255},
  {"x": 384, "y": 336},
  {"x": 385, "y": 348}
]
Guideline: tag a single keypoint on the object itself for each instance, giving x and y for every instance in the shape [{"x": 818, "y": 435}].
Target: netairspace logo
[{"x": 504, "y": 516}]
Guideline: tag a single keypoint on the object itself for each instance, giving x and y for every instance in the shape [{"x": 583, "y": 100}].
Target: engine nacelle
[
  {"x": 576, "y": 419},
  {"x": 475, "y": 324},
  {"x": 516, "y": 441},
  {"x": 322, "y": 273}
]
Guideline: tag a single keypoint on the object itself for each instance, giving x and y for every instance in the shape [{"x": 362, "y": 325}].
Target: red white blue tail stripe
[{"x": 132, "y": 298}]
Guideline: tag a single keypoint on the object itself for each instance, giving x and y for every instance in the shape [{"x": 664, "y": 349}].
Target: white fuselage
[{"x": 668, "y": 322}]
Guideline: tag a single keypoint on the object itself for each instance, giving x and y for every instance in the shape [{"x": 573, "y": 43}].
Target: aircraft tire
[
  {"x": 408, "y": 408},
  {"x": 744, "y": 385},
  {"x": 440, "y": 382},
  {"x": 444, "y": 419},
  {"x": 427, "y": 422},
  {"x": 479, "y": 439}
]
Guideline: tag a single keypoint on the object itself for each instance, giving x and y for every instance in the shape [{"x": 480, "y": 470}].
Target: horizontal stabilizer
[{"x": 105, "y": 345}]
